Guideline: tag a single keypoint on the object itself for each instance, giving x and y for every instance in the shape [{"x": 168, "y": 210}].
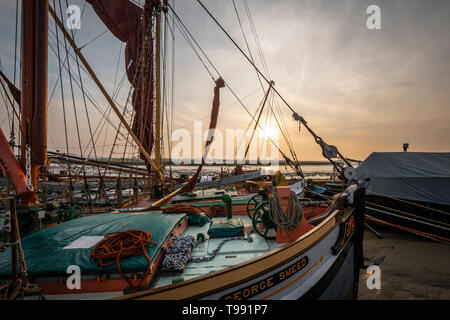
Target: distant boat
[{"x": 409, "y": 190}]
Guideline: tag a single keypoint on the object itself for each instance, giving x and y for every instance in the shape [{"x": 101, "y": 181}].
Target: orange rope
[{"x": 117, "y": 245}]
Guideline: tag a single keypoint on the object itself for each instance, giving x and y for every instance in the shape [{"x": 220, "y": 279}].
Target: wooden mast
[
  {"x": 34, "y": 61},
  {"x": 104, "y": 92},
  {"x": 158, "y": 12}
]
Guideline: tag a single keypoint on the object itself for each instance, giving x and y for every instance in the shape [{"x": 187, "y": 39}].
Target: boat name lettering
[{"x": 268, "y": 282}]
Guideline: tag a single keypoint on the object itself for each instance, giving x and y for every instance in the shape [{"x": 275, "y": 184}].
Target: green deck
[{"x": 46, "y": 257}]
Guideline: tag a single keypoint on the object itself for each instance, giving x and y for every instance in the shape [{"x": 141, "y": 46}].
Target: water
[{"x": 310, "y": 171}]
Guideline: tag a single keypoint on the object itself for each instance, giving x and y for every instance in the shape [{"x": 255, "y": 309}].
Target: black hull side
[{"x": 350, "y": 260}]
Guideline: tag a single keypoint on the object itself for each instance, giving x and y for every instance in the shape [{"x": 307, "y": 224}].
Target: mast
[
  {"x": 158, "y": 11},
  {"x": 34, "y": 61},
  {"x": 105, "y": 93}
]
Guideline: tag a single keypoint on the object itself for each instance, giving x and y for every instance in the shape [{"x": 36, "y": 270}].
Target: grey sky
[{"x": 362, "y": 90}]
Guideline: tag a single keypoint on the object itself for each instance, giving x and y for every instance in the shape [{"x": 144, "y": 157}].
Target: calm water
[{"x": 310, "y": 171}]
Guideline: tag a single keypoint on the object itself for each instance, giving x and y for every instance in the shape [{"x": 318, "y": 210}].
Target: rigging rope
[
  {"x": 227, "y": 85},
  {"x": 62, "y": 101}
]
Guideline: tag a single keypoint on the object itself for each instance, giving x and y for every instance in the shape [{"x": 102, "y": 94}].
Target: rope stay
[
  {"x": 184, "y": 29},
  {"x": 330, "y": 152}
]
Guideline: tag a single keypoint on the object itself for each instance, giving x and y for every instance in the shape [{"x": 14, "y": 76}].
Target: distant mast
[{"x": 34, "y": 74}]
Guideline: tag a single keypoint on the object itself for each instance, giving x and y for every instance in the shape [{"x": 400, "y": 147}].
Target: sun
[{"x": 269, "y": 133}]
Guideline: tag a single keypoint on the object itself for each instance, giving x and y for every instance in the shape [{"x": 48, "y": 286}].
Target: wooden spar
[
  {"x": 101, "y": 165},
  {"x": 259, "y": 117},
  {"x": 82, "y": 176},
  {"x": 34, "y": 61},
  {"x": 63, "y": 156},
  {"x": 105, "y": 94},
  {"x": 168, "y": 197},
  {"x": 158, "y": 87}
]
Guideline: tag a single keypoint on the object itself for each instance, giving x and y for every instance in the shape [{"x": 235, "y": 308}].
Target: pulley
[
  {"x": 349, "y": 173},
  {"x": 329, "y": 151}
]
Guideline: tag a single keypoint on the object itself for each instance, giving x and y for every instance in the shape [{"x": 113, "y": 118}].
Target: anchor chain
[{"x": 28, "y": 167}]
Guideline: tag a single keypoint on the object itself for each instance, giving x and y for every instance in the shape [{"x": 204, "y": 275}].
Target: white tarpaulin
[{"x": 419, "y": 176}]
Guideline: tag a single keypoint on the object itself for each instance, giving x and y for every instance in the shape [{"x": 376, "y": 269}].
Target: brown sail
[
  {"x": 132, "y": 25},
  {"x": 190, "y": 185}
]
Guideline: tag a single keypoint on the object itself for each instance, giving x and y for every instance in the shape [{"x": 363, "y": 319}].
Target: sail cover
[
  {"x": 125, "y": 20},
  {"x": 417, "y": 176}
]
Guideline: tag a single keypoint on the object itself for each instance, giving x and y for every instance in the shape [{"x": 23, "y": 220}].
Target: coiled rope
[
  {"x": 119, "y": 245},
  {"x": 289, "y": 220},
  {"x": 179, "y": 253}
]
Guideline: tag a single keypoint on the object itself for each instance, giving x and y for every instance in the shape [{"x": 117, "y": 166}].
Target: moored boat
[{"x": 409, "y": 191}]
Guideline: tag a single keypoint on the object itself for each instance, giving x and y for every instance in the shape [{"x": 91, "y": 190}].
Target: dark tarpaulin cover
[{"x": 417, "y": 176}]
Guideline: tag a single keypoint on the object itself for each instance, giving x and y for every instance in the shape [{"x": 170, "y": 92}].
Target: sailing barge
[
  {"x": 409, "y": 191},
  {"x": 274, "y": 245}
]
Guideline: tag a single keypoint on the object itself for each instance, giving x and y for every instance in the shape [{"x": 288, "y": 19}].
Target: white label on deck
[{"x": 84, "y": 242}]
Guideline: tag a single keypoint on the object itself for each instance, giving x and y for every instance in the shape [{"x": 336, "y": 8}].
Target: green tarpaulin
[
  {"x": 46, "y": 257},
  {"x": 226, "y": 228}
]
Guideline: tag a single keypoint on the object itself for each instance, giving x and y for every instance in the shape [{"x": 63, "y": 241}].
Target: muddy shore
[{"x": 414, "y": 268}]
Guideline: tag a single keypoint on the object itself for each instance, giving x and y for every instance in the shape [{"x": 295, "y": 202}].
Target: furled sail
[
  {"x": 128, "y": 23},
  {"x": 14, "y": 91},
  {"x": 212, "y": 127}
]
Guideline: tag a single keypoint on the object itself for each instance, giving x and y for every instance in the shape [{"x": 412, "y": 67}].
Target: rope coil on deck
[
  {"x": 123, "y": 244},
  {"x": 293, "y": 216},
  {"x": 179, "y": 253}
]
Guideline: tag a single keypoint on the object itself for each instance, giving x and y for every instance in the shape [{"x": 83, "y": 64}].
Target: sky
[{"x": 359, "y": 89}]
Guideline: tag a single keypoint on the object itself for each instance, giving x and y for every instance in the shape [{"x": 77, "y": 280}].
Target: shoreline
[{"x": 414, "y": 268}]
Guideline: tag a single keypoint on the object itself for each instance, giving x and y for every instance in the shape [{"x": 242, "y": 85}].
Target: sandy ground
[{"x": 413, "y": 268}]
